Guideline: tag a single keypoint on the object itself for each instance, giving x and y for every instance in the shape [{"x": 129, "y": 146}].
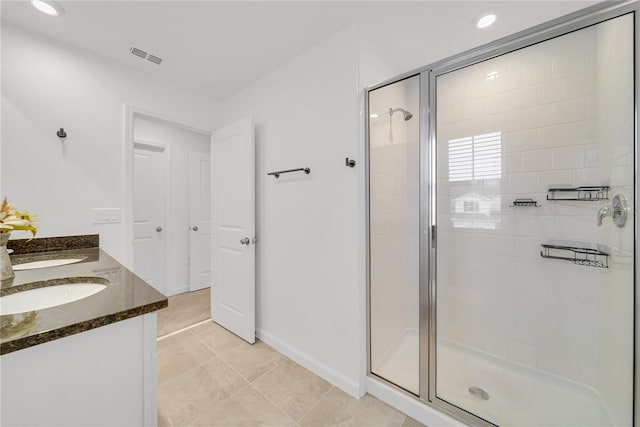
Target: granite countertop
[{"x": 125, "y": 295}]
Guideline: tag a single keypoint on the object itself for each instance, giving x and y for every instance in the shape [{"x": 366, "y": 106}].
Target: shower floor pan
[
  {"x": 517, "y": 395},
  {"x": 401, "y": 365}
]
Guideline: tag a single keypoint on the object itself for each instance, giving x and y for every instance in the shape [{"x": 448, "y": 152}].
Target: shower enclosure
[{"x": 501, "y": 189}]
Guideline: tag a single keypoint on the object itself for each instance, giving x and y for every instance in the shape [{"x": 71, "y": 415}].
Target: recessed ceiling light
[
  {"x": 486, "y": 20},
  {"x": 49, "y": 7}
]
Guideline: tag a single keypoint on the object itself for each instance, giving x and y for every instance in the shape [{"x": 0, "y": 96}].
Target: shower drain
[{"x": 479, "y": 393}]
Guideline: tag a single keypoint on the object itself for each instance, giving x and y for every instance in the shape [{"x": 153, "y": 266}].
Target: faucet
[
  {"x": 617, "y": 211},
  {"x": 604, "y": 212}
]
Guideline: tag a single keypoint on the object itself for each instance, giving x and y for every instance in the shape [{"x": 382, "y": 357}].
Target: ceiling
[
  {"x": 214, "y": 47},
  {"x": 219, "y": 47}
]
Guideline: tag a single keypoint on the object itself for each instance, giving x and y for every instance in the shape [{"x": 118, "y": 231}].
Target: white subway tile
[
  {"x": 527, "y": 118},
  {"x": 526, "y": 332},
  {"x": 484, "y": 124},
  {"x": 590, "y": 155},
  {"x": 513, "y": 163},
  {"x": 583, "y": 84},
  {"x": 568, "y": 64},
  {"x": 521, "y": 98},
  {"x": 522, "y": 140},
  {"x": 537, "y": 73},
  {"x": 483, "y": 87},
  {"x": 446, "y": 114},
  {"x": 496, "y": 104},
  {"x": 568, "y": 158},
  {"x": 553, "y": 136},
  {"x": 569, "y": 110},
  {"x": 586, "y": 177},
  {"x": 591, "y": 107},
  {"x": 625, "y": 170},
  {"x": 554, "y": 179},
  {"x": 509, "y": 81},
  {"x": 539, "y": 160},
  {"x": 582, "y": 132},
  {"x": 553, "y": 91},
  {"x": 523, "y": 183},
  {"x": 544, "y": 115}
]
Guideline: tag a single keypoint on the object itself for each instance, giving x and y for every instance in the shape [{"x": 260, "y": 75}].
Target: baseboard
[
  {"x": 411, "y": 406},
  {"x": 348, "y": 385},
  {"x": 176, "y": 291}
]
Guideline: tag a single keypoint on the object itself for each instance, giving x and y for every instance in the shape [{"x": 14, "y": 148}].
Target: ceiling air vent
[
  {"x": 144, "y": 55},
  {"x": 138, "y": 52},
  {"x": 154, "y": 59}
]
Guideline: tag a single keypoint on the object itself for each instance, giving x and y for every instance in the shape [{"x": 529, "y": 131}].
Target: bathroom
[{"x": 306, "y": 96}]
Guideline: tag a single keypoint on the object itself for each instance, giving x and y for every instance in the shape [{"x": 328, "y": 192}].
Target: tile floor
[
  {"x": 209, "y": 377},
  {"x": 184, "y": 310}
]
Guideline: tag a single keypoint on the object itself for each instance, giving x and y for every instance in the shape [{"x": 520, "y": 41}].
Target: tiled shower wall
[
  {"x": 564, "y": 112},
  {"x": 394, "y": 213},
  {"x": 615, "y": 103}
]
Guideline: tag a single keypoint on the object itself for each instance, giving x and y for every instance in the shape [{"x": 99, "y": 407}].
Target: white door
[
  {"x": 233, "y": 220},
  {"x": 149, "y": 186},
  {"x": 200, "y": 220}
]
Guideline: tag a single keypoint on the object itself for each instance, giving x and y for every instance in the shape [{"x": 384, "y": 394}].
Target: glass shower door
[
  {"x": 534, "y": 280},
  {"x": 394, "y": 233}
]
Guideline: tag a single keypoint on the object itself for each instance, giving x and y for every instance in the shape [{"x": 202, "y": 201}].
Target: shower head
[{"x": 407, "y": 115}]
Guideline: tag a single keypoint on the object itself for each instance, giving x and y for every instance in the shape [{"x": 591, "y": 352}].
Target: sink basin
[
  {"x": 46, "y": 263},
  {"x": 48, "y": 296}
]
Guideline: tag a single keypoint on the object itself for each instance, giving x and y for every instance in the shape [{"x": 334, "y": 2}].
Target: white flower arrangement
[{"x": 11, "y": 219}]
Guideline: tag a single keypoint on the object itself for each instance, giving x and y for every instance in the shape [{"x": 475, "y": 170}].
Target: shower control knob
[
  {"x": 195, "y": 228},
  {"x": 245, "y": 241}
]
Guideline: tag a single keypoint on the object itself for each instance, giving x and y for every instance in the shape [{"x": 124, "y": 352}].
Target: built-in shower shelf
[
  {"x": 524, "y": 203},
  {"x": 580, "y": 256},
  {"x": 582, "y": 194}
]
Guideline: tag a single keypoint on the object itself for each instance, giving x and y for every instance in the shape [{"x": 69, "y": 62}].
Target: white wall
[
  {"x": 47, "y": 85},
  {"x": 308, "y": 298},
  {"x": 180, "y": 142}
]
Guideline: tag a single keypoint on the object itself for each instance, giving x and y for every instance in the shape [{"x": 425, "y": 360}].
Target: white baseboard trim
[
  {"x": 409, "y": 405},
  {"x": 176, "y": 291},
  {"x": 348, "y": 385}
]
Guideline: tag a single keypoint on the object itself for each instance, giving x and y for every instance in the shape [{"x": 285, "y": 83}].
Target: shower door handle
[{"x": 433, "y": 236}]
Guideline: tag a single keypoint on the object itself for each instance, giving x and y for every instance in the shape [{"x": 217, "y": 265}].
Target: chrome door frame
[{"x": 427, "y": 331}]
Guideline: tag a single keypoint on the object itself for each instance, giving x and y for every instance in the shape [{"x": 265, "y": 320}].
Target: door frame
[
  {"x": 129, "y": 114},
  {"x": 557, "y": 27}
]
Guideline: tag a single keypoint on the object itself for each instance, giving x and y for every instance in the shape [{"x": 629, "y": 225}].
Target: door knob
[
  {"x": 194, "y": 228},
  {"x": 158, "y": 229},
  {"x": 245, "y": 241}
]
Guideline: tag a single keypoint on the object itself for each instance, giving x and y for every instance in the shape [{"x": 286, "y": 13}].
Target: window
[
  {"x": 471, "y": 206},
  {"x": 475, "y": 157}
]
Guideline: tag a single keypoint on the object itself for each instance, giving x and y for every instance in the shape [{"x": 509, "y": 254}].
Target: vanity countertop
[{"x": 125, "y": 296}]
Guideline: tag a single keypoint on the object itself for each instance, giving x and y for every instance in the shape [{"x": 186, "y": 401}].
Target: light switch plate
[{"x": 106, "y": 215}]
